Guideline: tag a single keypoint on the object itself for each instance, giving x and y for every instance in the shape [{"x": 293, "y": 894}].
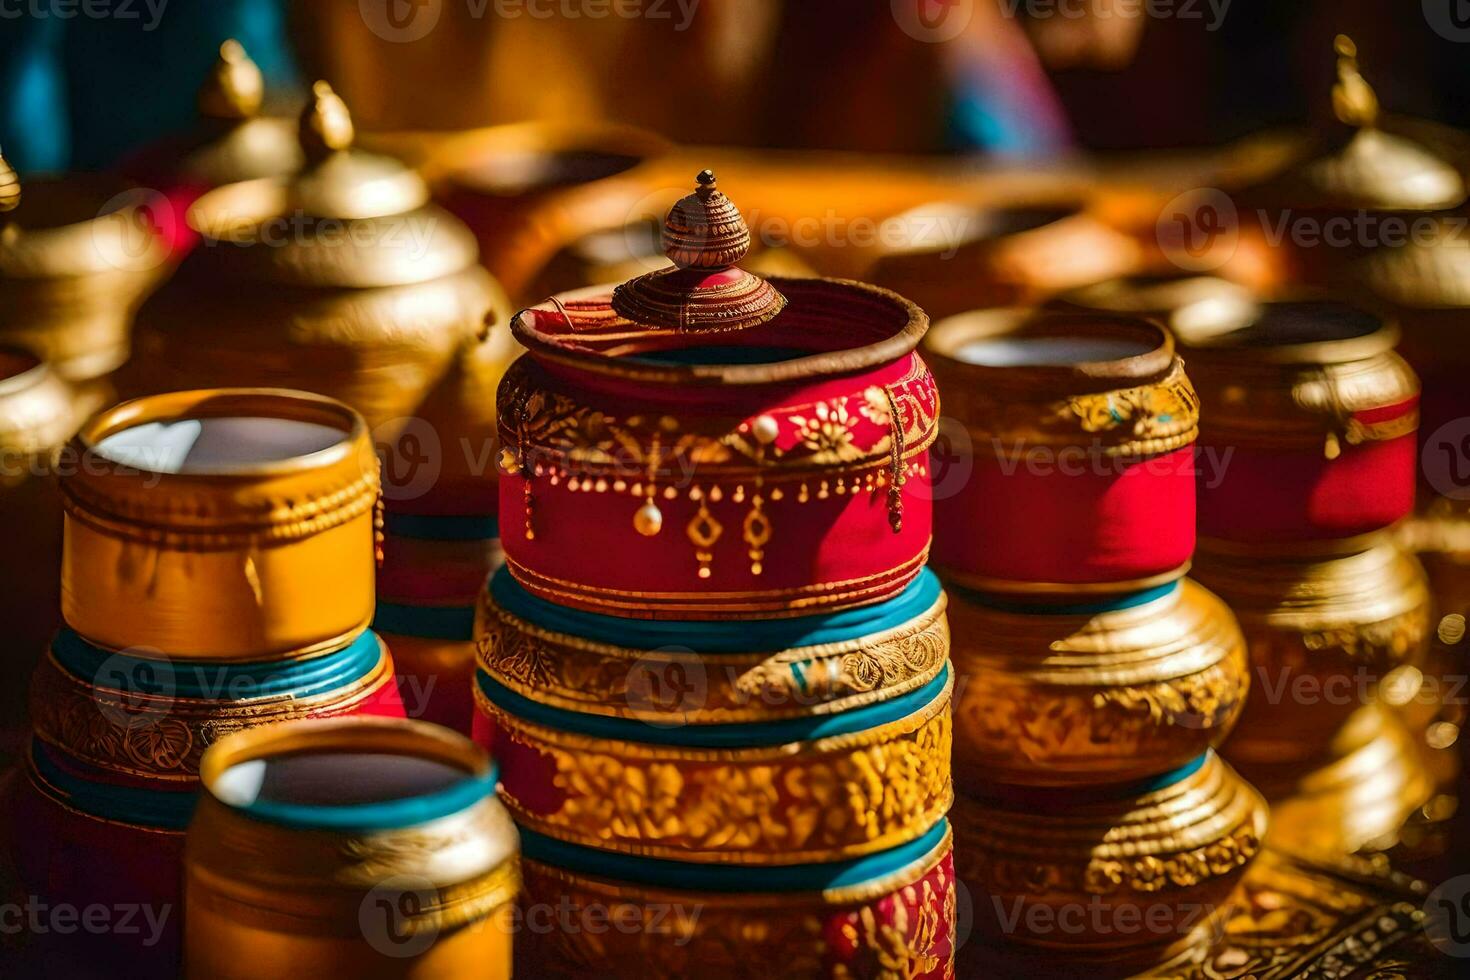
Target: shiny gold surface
[
  {"x": 599, "y": 678},
  {"x": 822, "y": 800},
  {"x": 1192, "y": 307},
  {"x": 342, "y": 280},
  {"x": 1129, "y": 407},
  {"x": 1323, "y": 633},
  {"x": 267, "y": 900},
  {"x": 1166, "y": 861},
  {"x": 1079, "y": 700},
  {"x": 752, "y": 935},
  {"x": 229, "y": 567},
  {"x": 77, "y": 255}
]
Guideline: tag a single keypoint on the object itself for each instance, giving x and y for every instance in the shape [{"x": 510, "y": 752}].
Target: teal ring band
[
  {"x": 1112, "y": 604},
  {"x": 370, "y": 817},
  {"x": 208, "y": 681},
  {"x": 729, "y": 878},
  {"x": 427, "y": 622},
  {"x": 158, "y": 809},
  {"x": 743, "y": 735},
  {"x": 718, "y": 636}
]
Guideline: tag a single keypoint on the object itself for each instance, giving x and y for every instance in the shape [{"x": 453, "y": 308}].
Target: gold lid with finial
[
  {"x": 705, "y": 291},
  {"x": 1356, "y": 165},
  {"x": 232, "y": 141}
]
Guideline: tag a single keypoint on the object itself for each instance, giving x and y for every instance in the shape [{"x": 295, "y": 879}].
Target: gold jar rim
[
  {"x": 284, "y": 499},
  {"x": 1343, "y": 334},
  {"x": 37, "y": 408},
  {"x": 1193, "y": 307},
  {"x": 1134, "y": 404}
]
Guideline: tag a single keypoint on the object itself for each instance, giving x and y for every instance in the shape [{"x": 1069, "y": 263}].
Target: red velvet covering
[
  {"x": 1277, "y": 495},
  {"x": 1073, "y": 520},
  {"x": 824, "y": 552}
]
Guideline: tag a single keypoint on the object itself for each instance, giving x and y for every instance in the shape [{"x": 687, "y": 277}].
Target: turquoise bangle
[
  {"x": 208, "y": 681},
  {"x": 727, "y": 878},
  {"x": 157, "y": 809},
  {"x": 744, "y": 735},
  {"x": 718, "y": 636},
  {"x": 428, "y": 622},
  {"x": 1111, "y": 604},
  {"x": 370, "y": 817}
]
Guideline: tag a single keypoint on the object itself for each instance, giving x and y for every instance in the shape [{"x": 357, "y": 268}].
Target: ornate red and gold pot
[
  {"x": 1309, "y": 426},
  {"x": 1093, "y": 693},
  {"x": 1149, "y": 864},
  {"x": 231, "y": 142},
  {"x": 38, "y": 413},
  {"x": 950, "y": 258},
  {"x": 342, "y": 279},
  {"x": 703, "y": 443},
  {"x": 1071, "y": 469},
  {"x": 367, "y": 845},
  {"x": 888, "y": 914},
  {"x": 77, "y": 256}
]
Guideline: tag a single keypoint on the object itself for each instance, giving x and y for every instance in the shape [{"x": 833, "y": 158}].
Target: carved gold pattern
[
  {"x": 568, "y": 672},
  {"x": 822, "y": 800},
  {"x": 898, "y": 928}
]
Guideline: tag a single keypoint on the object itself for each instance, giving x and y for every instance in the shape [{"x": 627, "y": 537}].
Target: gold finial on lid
[
  {"x": 234, "y": 88},
  {"x": 326, "y": 125},
  {"x": 704, "y": 291},
  {"x": 705, "y": 230},
  {"x": 9, "y": 187},
  {"x": 1353, "y": 100}
]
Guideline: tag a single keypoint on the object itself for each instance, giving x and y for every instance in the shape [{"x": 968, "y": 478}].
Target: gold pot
[
  {"x": 1121, "y": 867},
  {"x": 1193, "y": 307},
  {"x": 225, "y": 558},
  {"x": 77, "y": 256},
  {"x": 1078, "y": 698},
  {"x": 343, "y": 280},
  {"x": 951, "y": 258},
  {"x": 345, "y": 867},
  {"x": 38, "y": 413},
  {"x": 1323, "y": 633}
]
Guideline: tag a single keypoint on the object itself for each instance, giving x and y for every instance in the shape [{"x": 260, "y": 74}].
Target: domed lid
[
  {"x": 704, "y": 320},
  {"x": 705, "y": 291},
  {"x": 232, "y": 141},
  {"x": 73, "y": 226},
  {"x": 1357, "y": 165},
  {"x": 348, "y": 218}
]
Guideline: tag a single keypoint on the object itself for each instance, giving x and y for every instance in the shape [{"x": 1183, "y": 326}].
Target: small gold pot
[
  {"x": 343, "y": 280},
  {"x": 1063, "y": 698},
  {"x": 77, "y": 256},
  {"x": 224, "y": 559},
  {"x": 1323, "y": 632},
  {"x": 950, "y": 258},
  {"x": 1145, "y": 865},
  {"x": 343, "y": 867}
]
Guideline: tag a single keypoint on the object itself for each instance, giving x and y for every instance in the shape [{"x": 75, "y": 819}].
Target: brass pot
[
  {"x": 1063, "y": 698},
  {"x": 77, "y": 256},
  {"x": 951, "y": 258},
  {"x": 224, "y": 559},
  {"x": 1144, "y": 865},
  {"x": 1323, "y": 632},
  {"x": 342, "y": 280},
  {"x": 346, "y": 867},
  {"x": 38, "y": 413}
]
